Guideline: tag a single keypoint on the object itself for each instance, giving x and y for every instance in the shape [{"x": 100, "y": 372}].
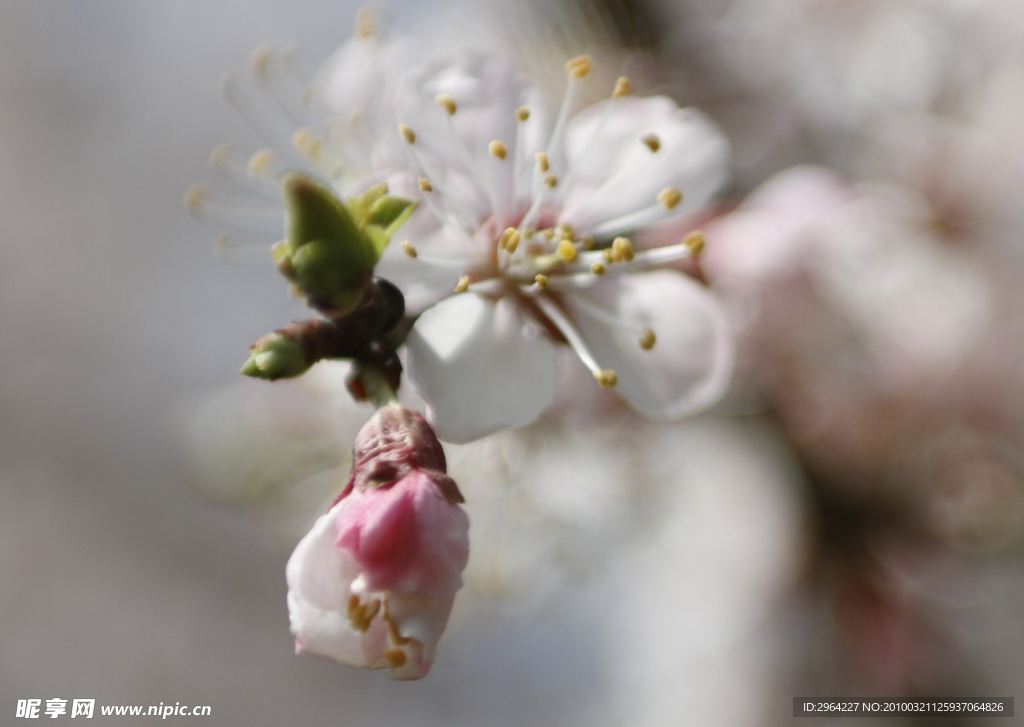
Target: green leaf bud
[{"x": 277, "y": 355}]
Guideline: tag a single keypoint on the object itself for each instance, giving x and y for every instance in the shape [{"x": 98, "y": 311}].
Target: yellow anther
[
  {"x": 622, "y": 250},
  {"x": 622, "y": 87},
  {"x": 578, "y": 67},
  {"x": 497, "y": 149},
  {"x": 360, "y": 615},
  {"x": 261, "y": 162},
  {"x": 542, "y": 161},
  {"x": 513, "y": 242},
  {"x": 670, "y": 197},
  {"x": 395, "y": 658},
  {"x": 522, "y": 113},
  {"x": 463, "y": 285},
  {"x": 409, "y": 249},
  {"x": 695, "y": 241},
  {"x": 194, "y": 197},
  {"x": 220, "y": 154},
  {"x": 305, "y": 142},
  {"x": 364, "y": 22},
  {"x": 647, "y": 339},
  {"x": 566, "y": 250},
  {"x": 588, "y": 242},
  {"x": 598, "y": 268},
  {"x": 445, "y": 101},
  {"x": 606, "y": 378},
  {"x": 565, "y": 232},
  {"x": 259, "y": 61},
  {"x": 425, "y": 185},
  {"x": 407, "y": 133},
  {"x": 549, "y": 234},
  {"x": 551, "y": 180},
  {"x": 503, "y": 240},
  {"x": 608, "y": 257},
  {"x": 542, "y": 281},
  {"x": 652, "y": 142}
]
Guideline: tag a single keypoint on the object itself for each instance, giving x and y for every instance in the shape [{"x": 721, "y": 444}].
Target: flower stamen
[
  {"x": 645, "y": 336},
  {"x": 240, "y": 214},
  {"x": 225, "y": 160},
  {"x": 361, "y": 615},
  {"x": 670, "y": 196},
  {"x": 497, "y": 149},
  {"x": 605, "y": 377},
  {"x": 578, "y": 67},
  {"x": 446, "y": 102},
  {"x": 666, "y": 202},
  {"x": 695, "y": 242},
  {"x": 622, "y": 250}
]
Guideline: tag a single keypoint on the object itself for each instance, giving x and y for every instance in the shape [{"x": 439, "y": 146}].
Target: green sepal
[
  {"x": 378, "y": 237},
  {"x": 359, "y": 207},
  {"x": 390, "y": 213}
]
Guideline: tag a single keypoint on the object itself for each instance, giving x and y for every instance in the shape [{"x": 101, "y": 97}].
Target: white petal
[
  {"x": 487, "y": 91},
  {"x": 689, "y": 367},
  {"x": 356, "y": 87},
  {"x": 615, "y": 173},
  {"x": 480, "y": 366},
  {"x": 319, "y": 578}
]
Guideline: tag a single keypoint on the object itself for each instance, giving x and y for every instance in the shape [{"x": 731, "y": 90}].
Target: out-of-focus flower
[
  {"x": 531, "y": 223},
  {"x": 373, "y": 582},
  {"x": 919, "y": 307}
]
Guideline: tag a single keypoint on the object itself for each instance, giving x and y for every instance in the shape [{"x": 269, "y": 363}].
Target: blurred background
[{"x": 847, "y": 522}]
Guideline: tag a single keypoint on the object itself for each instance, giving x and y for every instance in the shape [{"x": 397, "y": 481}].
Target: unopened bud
[{"x": 277, "y": 355}]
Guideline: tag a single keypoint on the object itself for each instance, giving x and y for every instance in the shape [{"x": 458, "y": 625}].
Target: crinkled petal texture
[
  {"x": 480, "y": 366},
  {"x": 691, "y": 363},
  {"x": 624, "y": 151},
  {"x": 373, "y": 582}
]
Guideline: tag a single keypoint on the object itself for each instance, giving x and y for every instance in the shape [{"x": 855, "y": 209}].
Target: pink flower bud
[{"x": 372, "y": 584}]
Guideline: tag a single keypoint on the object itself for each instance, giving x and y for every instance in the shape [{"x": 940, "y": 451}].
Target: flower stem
[{"x": 376, "y": 384}]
